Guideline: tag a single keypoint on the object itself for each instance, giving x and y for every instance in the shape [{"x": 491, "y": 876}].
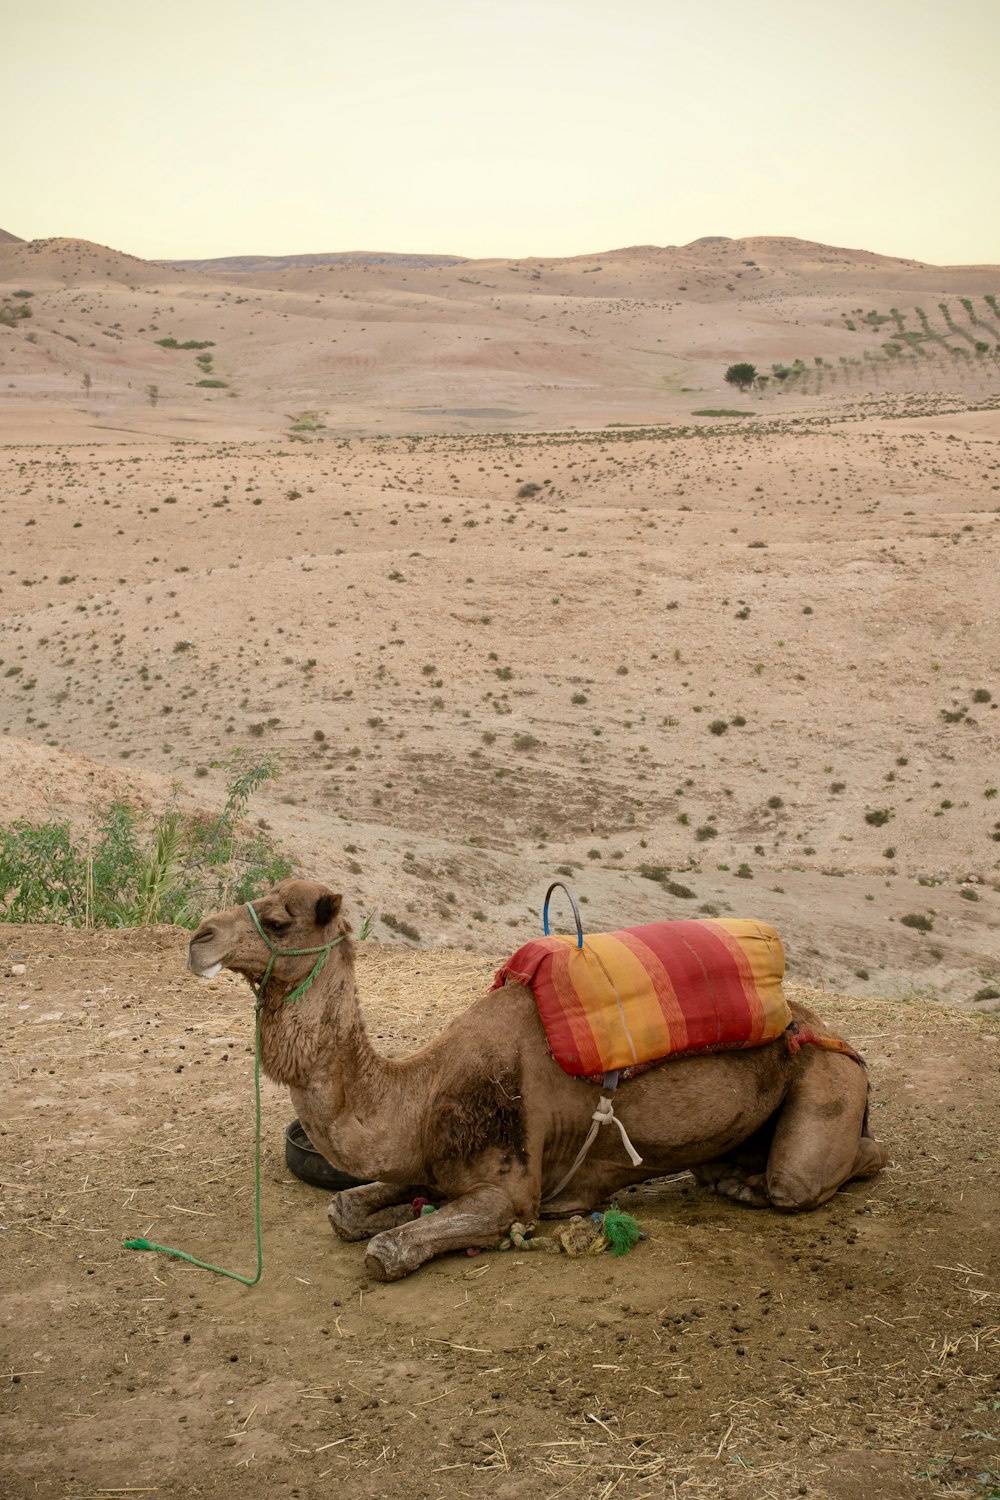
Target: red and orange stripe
[{"x": 650, "y": 992}]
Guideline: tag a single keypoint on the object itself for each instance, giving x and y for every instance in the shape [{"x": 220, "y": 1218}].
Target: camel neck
[{"x": 323, "y": 1030}]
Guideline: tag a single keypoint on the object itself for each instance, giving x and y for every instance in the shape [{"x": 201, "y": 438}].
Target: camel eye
[{"x": 274, "y": 924}]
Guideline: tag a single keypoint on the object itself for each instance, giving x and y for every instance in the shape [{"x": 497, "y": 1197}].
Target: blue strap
[{"x": 572, "y": 901}]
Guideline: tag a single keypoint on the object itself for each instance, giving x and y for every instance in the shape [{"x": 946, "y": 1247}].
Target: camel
[{"x": 484, "y": 1122}]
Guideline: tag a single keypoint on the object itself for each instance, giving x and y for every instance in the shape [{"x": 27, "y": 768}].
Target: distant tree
[
  {"x": 742, "y": 376},
  {"x": 87, "y": 382},
  {"x": 153, "y": 392}
]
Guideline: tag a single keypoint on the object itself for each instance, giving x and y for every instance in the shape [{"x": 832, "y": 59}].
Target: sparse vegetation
[
  {"x": 125, "y": 871},
  {"x": 405, "y": 929}
]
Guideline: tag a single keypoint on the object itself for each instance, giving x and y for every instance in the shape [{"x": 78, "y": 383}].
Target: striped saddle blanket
[{"x": 647, "y": 993}]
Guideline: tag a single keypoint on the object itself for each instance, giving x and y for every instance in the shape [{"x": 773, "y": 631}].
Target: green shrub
[
  {"x": 741, "y": 375},
  {"x": 918, "y": 921},
  {"x": 405, "y": 929},
  {"x": 125, "y": 875},
  {"x": 11, "y": 313}
]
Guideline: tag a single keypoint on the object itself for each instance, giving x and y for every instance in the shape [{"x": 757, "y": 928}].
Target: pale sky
[{"x": 190, "y": 128}]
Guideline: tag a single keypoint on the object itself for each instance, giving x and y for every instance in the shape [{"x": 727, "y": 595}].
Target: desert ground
[
  {"x": 734, "y": 1353},
  {"x": 513, "y": 588}
]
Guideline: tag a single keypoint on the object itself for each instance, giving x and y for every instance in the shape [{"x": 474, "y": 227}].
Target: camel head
[{"x": 298, "y": 920}]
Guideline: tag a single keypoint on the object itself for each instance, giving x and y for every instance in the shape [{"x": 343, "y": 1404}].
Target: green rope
[{"x": 141, "y": 1244}]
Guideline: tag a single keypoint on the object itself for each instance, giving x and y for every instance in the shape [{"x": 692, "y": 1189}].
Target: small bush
[
  {"x": 741, "y": 375},
  {"x": 123, "y": 876},
  {"x": 917, "y": 921},
  {"x": 878, "y": 816},
  {"x": 405, "y": 929}
]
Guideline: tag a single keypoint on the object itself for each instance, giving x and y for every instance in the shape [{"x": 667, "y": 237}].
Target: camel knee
[{"x": 793, "y": 1194}]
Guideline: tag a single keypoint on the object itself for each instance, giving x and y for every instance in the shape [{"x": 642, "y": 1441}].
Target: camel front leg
[
  {"x": 477, "y": 1220},
  {"x": 359, "y": 1212}
]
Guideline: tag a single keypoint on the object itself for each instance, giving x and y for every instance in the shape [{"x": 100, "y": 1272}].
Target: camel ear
[{"x": 327, "y": 908}]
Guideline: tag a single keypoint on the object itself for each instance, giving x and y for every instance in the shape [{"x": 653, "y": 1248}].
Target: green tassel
[{"x": 621, "y": 1231}]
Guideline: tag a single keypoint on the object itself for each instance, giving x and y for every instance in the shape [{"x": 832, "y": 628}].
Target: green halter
[
  {"x": 323, "y": 951},
  {"x": 258, "y": 989}
]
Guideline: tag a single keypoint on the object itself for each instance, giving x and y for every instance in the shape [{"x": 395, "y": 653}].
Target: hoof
[
  {"x": 383, "y": 1259},
  {"x": 340, "y": 1220}
]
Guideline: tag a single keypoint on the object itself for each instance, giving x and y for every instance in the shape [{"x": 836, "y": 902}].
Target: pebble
[{"x": 17, "y": 970}]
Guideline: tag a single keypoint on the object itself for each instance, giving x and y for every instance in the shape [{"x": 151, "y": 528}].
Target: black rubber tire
[{"x": 302, "y": 1158}]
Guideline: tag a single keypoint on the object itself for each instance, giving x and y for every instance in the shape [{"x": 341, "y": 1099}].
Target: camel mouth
[{"x": 205, "y": 968}]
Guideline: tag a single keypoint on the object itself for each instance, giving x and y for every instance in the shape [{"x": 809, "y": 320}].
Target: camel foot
[
  {"x": 871, "y": 1158},
  {"x": 385, "y": 1260},
  {"x": 477, "y": 1220},
  {"x": 357, "y": 1213},
  {"x": 730, "y": 1181}
]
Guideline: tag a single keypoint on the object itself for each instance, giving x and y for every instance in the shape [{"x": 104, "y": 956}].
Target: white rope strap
[{"x": 604, "y": 1114}]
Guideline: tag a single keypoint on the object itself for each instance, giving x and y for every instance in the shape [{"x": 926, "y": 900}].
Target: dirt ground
[
  {"x": 848, "y": 1352},
  {"x": 762, "y": 662},
  {"x": 510, "y": 585}
]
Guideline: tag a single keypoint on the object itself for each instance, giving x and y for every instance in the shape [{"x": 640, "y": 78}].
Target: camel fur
[{"x": 483, "y": 1120}]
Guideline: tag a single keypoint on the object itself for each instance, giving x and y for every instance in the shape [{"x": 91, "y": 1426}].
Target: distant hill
[
  {"x": 355, "y": 340},
  {"x": 251, "y": 263},
  {"x": 10, "y": 239}
]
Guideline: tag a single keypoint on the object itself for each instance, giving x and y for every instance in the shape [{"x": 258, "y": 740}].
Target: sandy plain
[{"x": 451, "y": 540}]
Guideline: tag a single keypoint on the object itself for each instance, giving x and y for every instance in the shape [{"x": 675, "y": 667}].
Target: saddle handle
[{"x": 558, "y": 885}]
